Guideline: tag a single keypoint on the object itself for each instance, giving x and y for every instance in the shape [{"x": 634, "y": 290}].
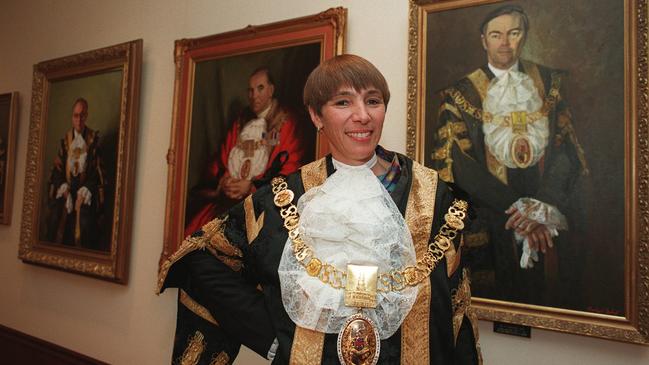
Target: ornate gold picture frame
[
  {"x": 8, "y": 130},
  {"x": 214, "y": 103},
  {"x": 594, "y": 280},
  {"x": 79, "y": 179}
]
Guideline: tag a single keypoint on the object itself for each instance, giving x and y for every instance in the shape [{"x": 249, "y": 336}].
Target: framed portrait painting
[
  {"x": 238, "y": 116},
  {"x": 81, "y": 157},
  {"x": 538, "y": 111},
  {"x": 8, "y": 130}
]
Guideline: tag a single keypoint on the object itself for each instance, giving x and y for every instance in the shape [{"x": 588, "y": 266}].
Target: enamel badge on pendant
[{"x": 358, "y": 341}]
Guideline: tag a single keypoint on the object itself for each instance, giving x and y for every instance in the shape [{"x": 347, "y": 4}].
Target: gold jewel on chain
[
  {"x": 395, "y": 280},
  {"x": 358, "y": 339}
]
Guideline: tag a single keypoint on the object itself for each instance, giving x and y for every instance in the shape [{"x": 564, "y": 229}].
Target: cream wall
[{"x": 129, "y": 324}]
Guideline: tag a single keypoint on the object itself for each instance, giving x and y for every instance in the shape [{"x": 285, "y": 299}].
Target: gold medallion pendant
[
  {"x": 358, "y": 341},
  {"x": 521, "y": 149},
  {"x": 522, "y": 152},
  {"x": 360, "y": 290}
]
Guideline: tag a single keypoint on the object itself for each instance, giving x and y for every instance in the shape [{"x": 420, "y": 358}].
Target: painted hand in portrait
[
  {"x": 266, "y": 137},
  {"x": 505, "y": 134},
  {"x": 76, "y": 185}
]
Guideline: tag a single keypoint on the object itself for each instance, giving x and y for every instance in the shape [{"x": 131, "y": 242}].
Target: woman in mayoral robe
[{"x": 354, "y": 259}]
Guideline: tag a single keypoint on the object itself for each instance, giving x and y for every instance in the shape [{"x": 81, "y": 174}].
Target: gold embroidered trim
[
  {"x": 463, "y": 104},
  {"x": 253, "y": 224},
  {"x": 451, "y": 130},
  {"x": 419, "y": 217},
  {"x": 450, "y": 108},
  {"x": 232, "y": 263},
  {"x": 307, "y": 344},
  {"x": 415, "y": 331},
  {"x": 441, "y": 153},
  {"x": 496, "y": 168},
  {"x": 464, "y": 144},
  {"x": 453, "y": 258},
  {"x": 189, "y": 244},
  {"x": 564, "y": 119},
  {"x": 221, "y": 244},
  {"x": 446, "y": 174},
  {"x": 480, "y": 82},
  {"x": 532, "y": 70},
  {"x": 314, "y": 174},
  {"x": 444, "y": 152},
  {"x": 461, "y": 300},
  {"x": 221, "y": 359},
  {"x": 508, "y": 121},
  {"x": 553, "y": 95},
  {"x": 564, "y": 122},
  {"x": 421, "y": 206},
  {"x": 307, "y": 347},
  {"x": 196, "y": 308},
  {"x": 196, "y": 346},
  {"x": 225, "y": 251},
  {"x": 276, "y": 117}
]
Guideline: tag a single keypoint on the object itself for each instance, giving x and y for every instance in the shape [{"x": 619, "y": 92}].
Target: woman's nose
[{"x": 361, "y": 113}]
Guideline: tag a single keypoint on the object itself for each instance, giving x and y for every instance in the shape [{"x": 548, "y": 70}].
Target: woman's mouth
[{"x": 360, "y": 135}]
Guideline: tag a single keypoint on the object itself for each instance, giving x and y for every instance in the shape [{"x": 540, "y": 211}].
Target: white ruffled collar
[
  {"x": 351, "y": 218},
  {"x": 369, "y": 164},
  {"x": 498, "y": 72}
]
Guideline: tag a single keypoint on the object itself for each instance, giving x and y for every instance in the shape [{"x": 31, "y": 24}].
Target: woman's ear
[{"x": 315, "y": 118}]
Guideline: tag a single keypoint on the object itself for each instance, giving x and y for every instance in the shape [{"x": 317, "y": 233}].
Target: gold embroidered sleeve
[
  {"x": 567, "y": 132},
  {"x": 196, "y": 308},
  {"x": 463, "y": 104},
  {"x": 254, "y": 224},
  {"x": 213, "y": 239},
  {"x": 448, "y": 107},
  {"x": 195, "y": 347},
  {"x": 453, "y": 258},
  {"x": 223, "y": 249},
  {"x": 452, "y": 130},
  {"x": 221, "y": 359},
  {"x": 461, "y": 300},
  {"x": 564, "y": 120}
]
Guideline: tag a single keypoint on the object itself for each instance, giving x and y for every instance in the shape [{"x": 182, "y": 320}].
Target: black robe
[
  {"x": 461, "y": 157},
  {"x": 230, "y": 268}
]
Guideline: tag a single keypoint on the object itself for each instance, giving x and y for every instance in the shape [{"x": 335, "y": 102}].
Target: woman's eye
[
  {"x": 341, "y": 102},
  {"x": 374, "y": 101}
]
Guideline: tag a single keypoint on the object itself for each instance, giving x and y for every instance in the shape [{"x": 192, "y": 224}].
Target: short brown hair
[
  {"x": 506, "y": 10},
  {"x": 344, "y": 70}
]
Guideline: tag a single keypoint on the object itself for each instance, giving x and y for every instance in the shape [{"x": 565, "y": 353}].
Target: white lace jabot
[{"x": 351, "y": 218}]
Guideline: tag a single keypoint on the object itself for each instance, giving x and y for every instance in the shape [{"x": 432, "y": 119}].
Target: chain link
[{"x": 395, "y": 280}]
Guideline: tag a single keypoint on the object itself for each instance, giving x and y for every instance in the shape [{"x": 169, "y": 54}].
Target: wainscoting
[{"x": 20, "y": 348}]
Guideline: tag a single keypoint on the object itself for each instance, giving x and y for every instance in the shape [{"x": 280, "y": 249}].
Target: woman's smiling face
[{"x": 352, "y": 121}]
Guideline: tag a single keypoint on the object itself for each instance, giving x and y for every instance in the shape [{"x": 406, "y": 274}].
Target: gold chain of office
[{"x": 394, "y": 280}]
